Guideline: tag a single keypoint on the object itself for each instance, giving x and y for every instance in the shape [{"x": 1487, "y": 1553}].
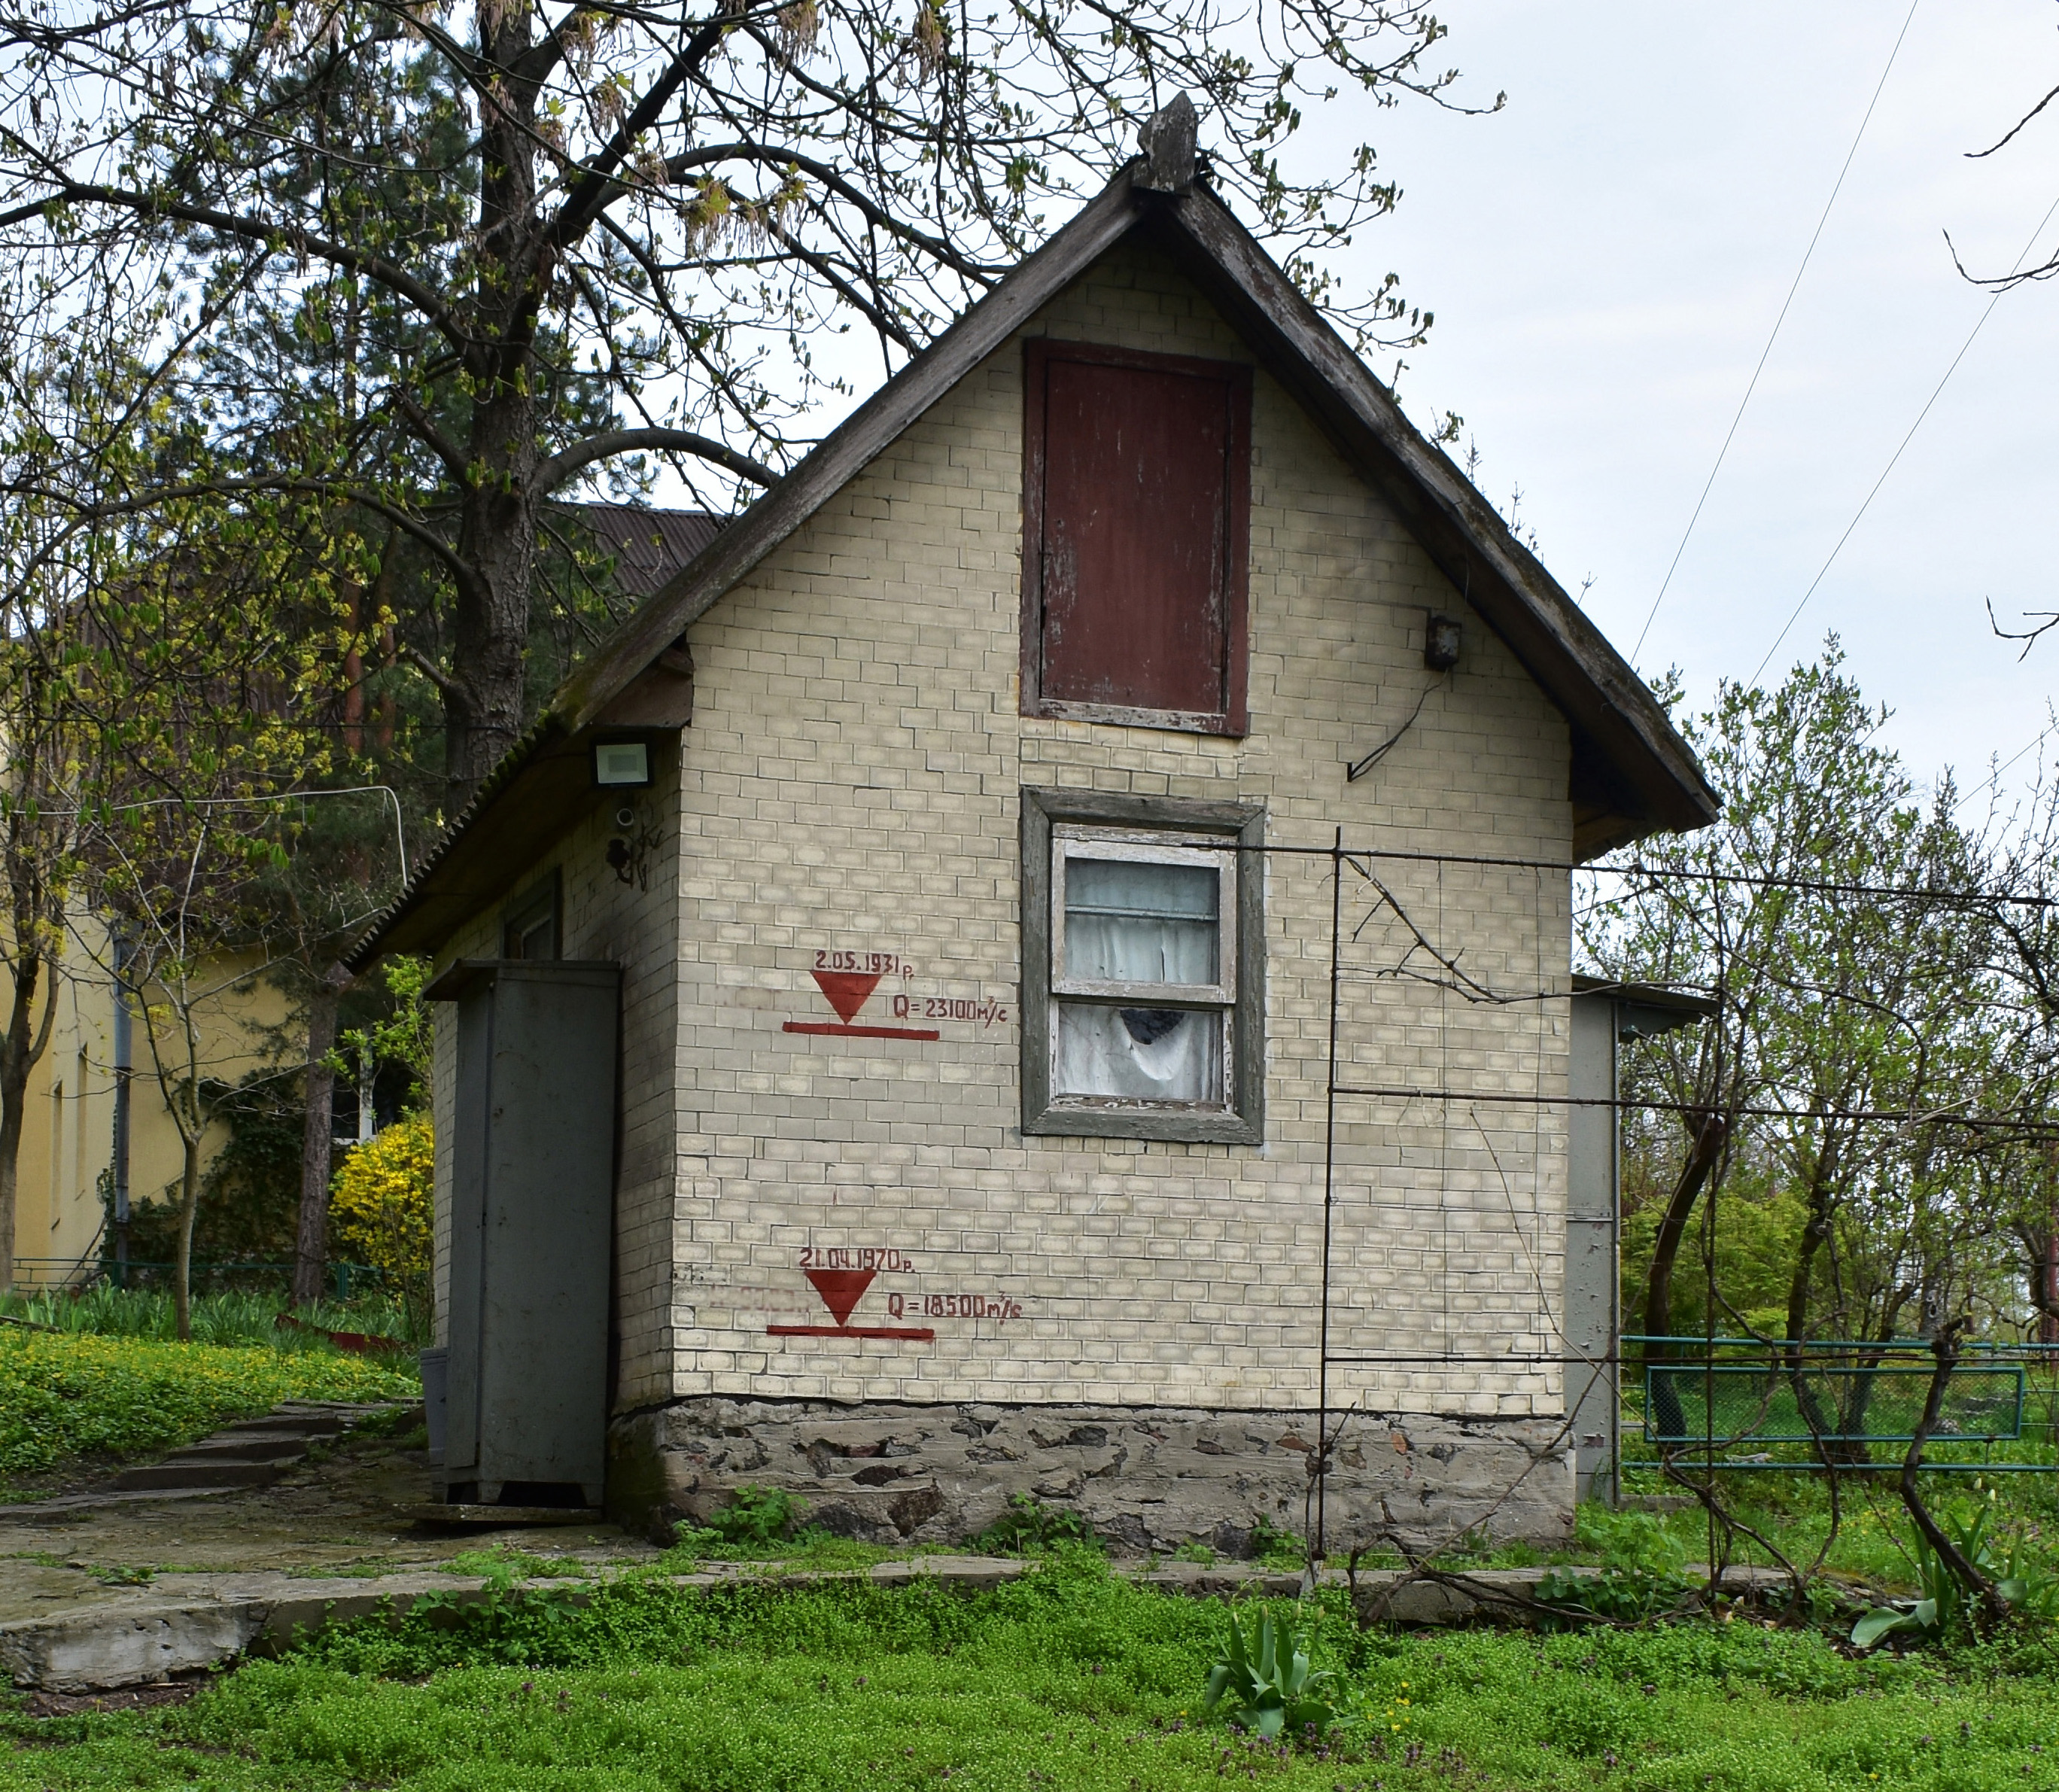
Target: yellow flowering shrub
[
  {"x": 382, "y": 1201},
  {"x": 75, "y": 1394}
]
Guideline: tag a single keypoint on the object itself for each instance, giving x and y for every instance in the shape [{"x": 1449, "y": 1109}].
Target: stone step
[
  {"x": 249, "y": 1453},
  {"x": 246, "y": 1447},
  {"x": 173, "y": 1473},
  {"x": 297, "y": 1424}
]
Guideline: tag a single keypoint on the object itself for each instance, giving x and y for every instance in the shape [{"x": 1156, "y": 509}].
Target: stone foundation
[{"x": 1147, "y": 1478}]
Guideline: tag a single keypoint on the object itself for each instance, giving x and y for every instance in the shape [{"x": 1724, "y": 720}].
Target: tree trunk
[
  {"x": 1814, "y": 1230},
  {"x": 1945, "y": 1348},
  {"x": 1702, "y": 1156},
  {"x": 182, "y": 1257},
  {"x": 497, "y": 525},
  {"x": 19, "y": 1049},
  {"x": 311, "y": 1245}
]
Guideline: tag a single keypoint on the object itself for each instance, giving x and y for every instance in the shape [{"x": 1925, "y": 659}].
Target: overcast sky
[{"x": 1607, "y": 255}]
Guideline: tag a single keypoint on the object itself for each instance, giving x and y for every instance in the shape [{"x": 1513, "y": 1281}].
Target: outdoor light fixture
[
  {"x": 1440, "y": 642},
  {"x": 621, "y": 764}
]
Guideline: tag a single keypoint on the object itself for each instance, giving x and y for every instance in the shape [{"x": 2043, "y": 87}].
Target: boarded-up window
[{"x": 1136, "y": 527}]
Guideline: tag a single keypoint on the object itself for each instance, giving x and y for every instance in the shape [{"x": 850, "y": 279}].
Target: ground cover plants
[
  {"x": 1070, "y": 1678},
  {"x": 65, "y": 1396},
  {"x": 233, "y": 1316}
]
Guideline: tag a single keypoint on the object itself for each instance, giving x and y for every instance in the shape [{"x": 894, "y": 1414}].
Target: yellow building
[{"x": 70, "y": 1158}]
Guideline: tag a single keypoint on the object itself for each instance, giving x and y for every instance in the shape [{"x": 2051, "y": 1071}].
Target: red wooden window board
[{"x": 1136, "y": 506}]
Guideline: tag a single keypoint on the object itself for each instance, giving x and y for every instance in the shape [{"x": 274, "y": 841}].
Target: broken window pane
[{"x": 1138, "y": 1054}]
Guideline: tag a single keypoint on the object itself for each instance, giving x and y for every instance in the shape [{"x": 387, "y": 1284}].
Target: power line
[
  {"x": 1817, "y": 886},
  {"x": 1994, "y": 777},
  {"x": 1752, "y": 386},
  {"x": 1905, "y": 440}
]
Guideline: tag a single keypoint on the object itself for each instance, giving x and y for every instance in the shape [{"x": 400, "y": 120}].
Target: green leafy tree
[
  {"x": 443, "y": 263},
  {"x": 1848, "y": 933}
]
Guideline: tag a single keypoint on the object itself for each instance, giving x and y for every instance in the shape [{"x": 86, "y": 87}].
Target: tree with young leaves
[
  {"x": 214, "y": 652},
  {"x": 44, "y": 732},
  {"x": 1849, "y": 936},
  {"x": 59, "y": 387},
  {"x": 443, "y": 263}
]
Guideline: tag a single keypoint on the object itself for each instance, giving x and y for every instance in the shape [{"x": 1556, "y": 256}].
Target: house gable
[
  {"x": 853, "y": 798},
  {"x": 1631, "y": 773}
]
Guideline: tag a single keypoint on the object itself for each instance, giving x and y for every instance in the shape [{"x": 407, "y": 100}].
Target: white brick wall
[{"x": 851, "y": 782}]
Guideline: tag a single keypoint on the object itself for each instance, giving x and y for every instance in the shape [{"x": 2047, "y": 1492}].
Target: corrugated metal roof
[{"x": 649, "y": 545}]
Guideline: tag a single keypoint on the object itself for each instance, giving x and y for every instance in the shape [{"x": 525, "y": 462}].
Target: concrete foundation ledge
[
  {"x": 189, "y": 1623},
  {"x": 1146, "y": 1478}
]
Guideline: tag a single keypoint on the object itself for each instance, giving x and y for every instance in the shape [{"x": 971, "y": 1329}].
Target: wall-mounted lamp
[
  {"x": 621, "y": 764},
  {"x": 1440, "y": 642}
]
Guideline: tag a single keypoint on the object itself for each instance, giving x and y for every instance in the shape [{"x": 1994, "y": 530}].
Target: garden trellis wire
[{"x": 1405, "y": 1298}]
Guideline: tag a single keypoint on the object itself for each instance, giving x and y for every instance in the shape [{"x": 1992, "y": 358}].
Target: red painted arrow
[
  {"x": 841, "y": 1289},
  {"x": 847, "y": 990}
]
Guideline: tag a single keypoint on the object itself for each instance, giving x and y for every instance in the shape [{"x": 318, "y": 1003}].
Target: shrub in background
[{"x": 382, "y": 1202}]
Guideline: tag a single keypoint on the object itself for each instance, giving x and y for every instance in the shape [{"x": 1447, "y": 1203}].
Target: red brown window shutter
[{"x": 1135, "y": 532}]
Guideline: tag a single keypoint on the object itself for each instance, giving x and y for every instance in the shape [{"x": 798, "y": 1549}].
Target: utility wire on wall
[{"x": 1752, "y": 385}]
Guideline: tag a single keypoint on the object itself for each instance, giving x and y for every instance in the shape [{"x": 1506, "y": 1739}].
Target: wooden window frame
[
  {"x": 1238, "y": 827},
  {"x": 1038, "y": 352}
]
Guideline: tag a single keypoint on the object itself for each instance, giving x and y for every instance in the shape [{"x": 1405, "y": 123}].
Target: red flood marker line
[
  {"x": 842, "y": 1290},
  {"x": 836, "y": 1032},
  {"x": 848, "y": 991},
  {"x": 917, "y": 1334}
]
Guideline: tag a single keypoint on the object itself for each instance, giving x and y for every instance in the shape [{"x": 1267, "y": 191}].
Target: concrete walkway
[{"x": 133, "y": 1587}]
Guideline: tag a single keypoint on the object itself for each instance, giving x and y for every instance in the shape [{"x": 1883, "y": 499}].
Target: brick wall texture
[{"x": 850, "y": 783}]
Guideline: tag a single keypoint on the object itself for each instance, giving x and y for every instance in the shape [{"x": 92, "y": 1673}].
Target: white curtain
[
  {"x": 1147, "y": 1054},
  {"x": 1130, "y": 922}
]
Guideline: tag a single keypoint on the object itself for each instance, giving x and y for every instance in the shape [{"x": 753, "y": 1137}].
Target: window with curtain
[
  {"x": 1143, "y": 967},
  {"x": 1143, "y": 970}
]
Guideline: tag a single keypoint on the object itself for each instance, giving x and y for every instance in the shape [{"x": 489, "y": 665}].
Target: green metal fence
[
  {"x": 1776, "y": 1406},
  {"x": 1729, "y": 1404}
]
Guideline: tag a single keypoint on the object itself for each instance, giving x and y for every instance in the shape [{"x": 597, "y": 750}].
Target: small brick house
[{"x": 959, "y": 822}]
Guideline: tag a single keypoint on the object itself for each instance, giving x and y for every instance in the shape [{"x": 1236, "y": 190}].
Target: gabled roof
[{"x": 1632, "y": 773}]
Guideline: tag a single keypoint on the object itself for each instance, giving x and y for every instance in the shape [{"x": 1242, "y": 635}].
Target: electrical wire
[
  {"x": 1994, "y": 777},
  {"x": 1662, "y": 874},
  {"x": 1906, "y": 439},
  {"x": 1752, "y": 385}
]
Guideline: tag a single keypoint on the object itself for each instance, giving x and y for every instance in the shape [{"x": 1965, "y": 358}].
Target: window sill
[
  {"x": 1172, "y": 720},
  {"x": 1180, "y": 1126}
]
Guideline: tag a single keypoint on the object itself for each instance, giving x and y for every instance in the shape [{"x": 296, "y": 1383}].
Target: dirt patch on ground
[{"x": 122, "y": 1698}]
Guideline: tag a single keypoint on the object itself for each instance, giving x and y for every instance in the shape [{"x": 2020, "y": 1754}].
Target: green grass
[
  {"x": 64, "y": 1395},
  {"x": 1872, "y": 1540},
  {"x": 233, "y": 1316},
  {"x": 1069, "y": 1679}
]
